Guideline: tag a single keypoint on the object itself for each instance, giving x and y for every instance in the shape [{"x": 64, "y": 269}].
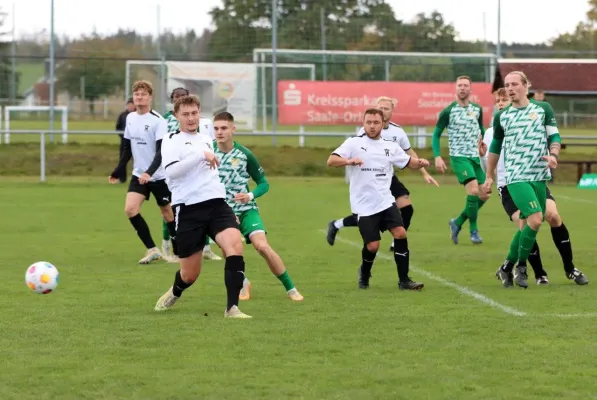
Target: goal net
[
  {"x": 243, "y": 89},
  {"x": 33, "y": 118}
]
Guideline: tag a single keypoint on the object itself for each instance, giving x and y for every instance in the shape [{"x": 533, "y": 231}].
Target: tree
[
  {"x": 7, "y": 78},
  {"x": 584, "y": 37},
  {"x": 94, "y": 66}
]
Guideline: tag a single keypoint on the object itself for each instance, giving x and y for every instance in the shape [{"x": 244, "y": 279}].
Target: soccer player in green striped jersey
[
  {"x": 237, "y": 166},
  {"x": 463, "y": 120},
  {"x": 173, "y": 126}
]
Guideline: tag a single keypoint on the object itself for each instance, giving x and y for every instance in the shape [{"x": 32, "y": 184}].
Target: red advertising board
[{"x": 343, "y": 103}]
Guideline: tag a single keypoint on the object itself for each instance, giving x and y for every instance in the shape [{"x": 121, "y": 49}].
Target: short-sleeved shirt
[
  {"x": 464, "y": 125},
  {"x": 501, "y": 169},
  {"x": 525, "y": 132},
  {"x": 237, "y": 167},
  {"x": 370, "y": 183},
  {"x": 201, "y": 183},
  {"x": 395, "y": 133},
  {"x": 144, "y": 130}
]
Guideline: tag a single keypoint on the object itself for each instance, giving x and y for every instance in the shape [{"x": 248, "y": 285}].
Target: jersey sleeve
[
  {"x": 498, "y": 135},
  {"x": 404, "y": 142},
  {"x": 488, "y": 137},
  {"x": 257, "y": 173},
  {"x": 399, "y": 158},
  {"x": 161, "y": 129},
  {"x": 170, "y": 151},
  {"x": 127, "y": 132},
  {"x": 480, "y": 120},
  {"x": 346, "y": 149},
  {"x": 442, "y": 123}
]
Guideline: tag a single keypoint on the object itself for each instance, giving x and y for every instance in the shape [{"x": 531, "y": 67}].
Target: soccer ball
[{"x": 42, "y": 277}]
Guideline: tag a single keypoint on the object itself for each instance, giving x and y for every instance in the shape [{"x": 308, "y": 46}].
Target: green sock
[
  {"x": 527, "y": 241},
  {"x": 472, "y": 208},
  {"x": 514, "y": 245},
  {"x": 481, "y": 202},
  {"x": 165, "y": 231},
  {"x": 286, "y": 281},
  {"x": 461, "y": 218}
]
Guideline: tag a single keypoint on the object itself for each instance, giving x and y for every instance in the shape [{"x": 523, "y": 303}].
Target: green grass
[
  {"x": 97, "y": 336},
  {"x": 29, "y": 72}
]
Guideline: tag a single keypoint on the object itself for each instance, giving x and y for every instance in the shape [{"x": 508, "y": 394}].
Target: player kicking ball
[
  {"x": 559, "y": 232},
  {"x": 237, "y": 166},
  {"x": 205, "y": 126},
  {"x": 372, "y": 160}
]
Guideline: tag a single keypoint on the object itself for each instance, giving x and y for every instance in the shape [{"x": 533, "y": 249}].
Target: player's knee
[
  {"x": 534, "y": 221},
  {"x": 261, "y": 246},
  {"x": 373, "y": 247},
  {"x": 131, "y": 210},
  {"x": 553, "y": 218},
  {"x": 403, "y": 201},
  {"x": 399, "y": 233}
]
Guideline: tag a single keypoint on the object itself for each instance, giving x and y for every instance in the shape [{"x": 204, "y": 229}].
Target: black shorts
[
  {"x": 159, "y": 189},
  {"x": 397, "y": 188},
  {"x": 508, "y": 203},
  {"x": 196, "y": 221},
  {"x": 371, "y": 226}
]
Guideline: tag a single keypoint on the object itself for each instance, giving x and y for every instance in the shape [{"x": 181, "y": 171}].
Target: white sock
[
  {"x": 206, "y": 248},
  {"x": 339, "y": 224},
  {"x": 245, "y": 282}
]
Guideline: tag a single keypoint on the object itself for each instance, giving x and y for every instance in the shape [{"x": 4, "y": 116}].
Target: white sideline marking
[
  {"x": 462, "y": 289},
  {"x": 577, "y": 199}
]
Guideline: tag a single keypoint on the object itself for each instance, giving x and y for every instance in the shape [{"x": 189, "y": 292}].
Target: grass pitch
[{"x": 462, "y": 337}]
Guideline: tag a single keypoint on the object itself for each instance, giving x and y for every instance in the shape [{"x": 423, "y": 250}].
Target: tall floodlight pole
[
  {"x": 13, "y": 69},
  {"x": 162, "y": 58},
  {"x": 52, "y": 71},
  {"x": 498, "y": 50},
  {"x": 274, "y": 70}
]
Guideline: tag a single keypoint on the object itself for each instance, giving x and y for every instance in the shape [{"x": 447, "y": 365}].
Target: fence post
[{"x": 301, "y": 136}]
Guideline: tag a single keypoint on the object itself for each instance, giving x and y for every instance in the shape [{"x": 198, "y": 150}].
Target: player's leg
[
  {"x": 223, "y": 228},
  {"x": 190, "y": 239},
  {"x": 166, "y": 243},
  {"x": 253, "y": 229},
  {"x": 369, "y": 228},
  {"x": 561, "y": 239},
  {"x": 466, "y": 174},
  {"x": 136, "y": 195},
  {"x": 403, "y": 202},
  {"x": 530, "y": 198},
  {"x": 335, "y": 226},
  {"x": 161, "y": 193},
  {"x": 208, "y": 253},
  {"x": 392, "y": 221}
]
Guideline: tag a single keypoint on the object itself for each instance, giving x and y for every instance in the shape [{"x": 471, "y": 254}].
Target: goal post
[{"x": 25, "y": 109}]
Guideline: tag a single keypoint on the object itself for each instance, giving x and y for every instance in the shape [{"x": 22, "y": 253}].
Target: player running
[
  {"x": 559, "y": 232},
  {"x": 205, "y": 126},
  {"x": 237, "y": 165},
  {"x": 395, "y": 133},
  {"x": 464, "y": 122},
  {"x": 528, "y": 133}
]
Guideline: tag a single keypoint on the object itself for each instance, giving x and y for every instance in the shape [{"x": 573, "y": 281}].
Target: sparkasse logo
[{"x": 292, "y": 96}]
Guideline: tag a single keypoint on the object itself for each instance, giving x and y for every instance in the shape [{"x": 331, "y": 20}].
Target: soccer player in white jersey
[
  {"x": 372, "y": 160},
  {"x": 205, "y": 126},
  {"x": 199, "y": 200},
  {"x": 463, "y": 120},
  {"x": 559, "y": 232},
  {"x": 395, "y": 133},
  {"x": 143, "y": 136}
]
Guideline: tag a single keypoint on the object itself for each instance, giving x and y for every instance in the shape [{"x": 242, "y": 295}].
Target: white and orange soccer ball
[{"x": 42, "y": 277}]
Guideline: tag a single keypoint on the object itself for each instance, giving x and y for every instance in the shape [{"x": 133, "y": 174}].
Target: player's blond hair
[
  {"x": 143, "y": 85},
  {"x": 190, "y": 100},
  {"x": 523, "y": 77},
  {"x": 501, "y": 92},
  {"x": 386, "y": 98},
  {"x": 468, "y": 78}
]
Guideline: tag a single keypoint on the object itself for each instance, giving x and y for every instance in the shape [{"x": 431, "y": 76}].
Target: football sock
[
  {"x": 461, "y": 219},
  {"x": 513, "y": 253},
  {"x": 368, "y": 257},
  {"x": 402, "y": 257},
  {"x": 535, "y": 261},
  {"x": 472, "y": 208},
  {"x": 171, "y": 227},
  {"x": 527, "y": 240},
  {"x": 561, "y": 239},
  {"x": 142, "y": 230},
  {"x": 179, "y": 285},
  {"x": 339, "y": 223},
  {"x": 407, "y": 214},
  {"x": 234, "y": 275},
  {"x": 351, "y": 220},
  {"x": 165, "y": 231},
  {"x": 481, "y": 202},
  {"x": 286, "y": 281}
]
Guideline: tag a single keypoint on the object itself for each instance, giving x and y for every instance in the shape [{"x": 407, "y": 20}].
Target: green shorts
[
  {"x": 250, "y": 221},
  {"x": 467, "y": 169},
  {"x": 529, "y": 197}
]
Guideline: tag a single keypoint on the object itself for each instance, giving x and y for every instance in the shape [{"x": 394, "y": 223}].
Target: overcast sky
[{"x": 530, "y": 21}]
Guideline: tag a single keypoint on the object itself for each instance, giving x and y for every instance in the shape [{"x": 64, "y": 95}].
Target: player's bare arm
[{"x": 428, "y": 178}]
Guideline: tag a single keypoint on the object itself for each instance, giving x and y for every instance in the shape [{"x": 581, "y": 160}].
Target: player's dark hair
[
  {"x": 190, "y": 100},
  {"x": 224, "y": 116},
  {"x": 373, "y": 111},
  {"x": 177, "y": 89}
]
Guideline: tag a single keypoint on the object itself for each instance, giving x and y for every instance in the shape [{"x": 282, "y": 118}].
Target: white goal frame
[{"x": 63, "y": 119}]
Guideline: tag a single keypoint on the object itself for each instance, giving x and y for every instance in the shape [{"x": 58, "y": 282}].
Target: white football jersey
[
  {"x": 206, "y": 126},
  {"x": 501, "y": 167},
  {"x": 370, "y": 182},
  {"x": 144, "y": 130},
  {"x": 395, "y": 133},
  {"x": 201, "y": 183}
]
